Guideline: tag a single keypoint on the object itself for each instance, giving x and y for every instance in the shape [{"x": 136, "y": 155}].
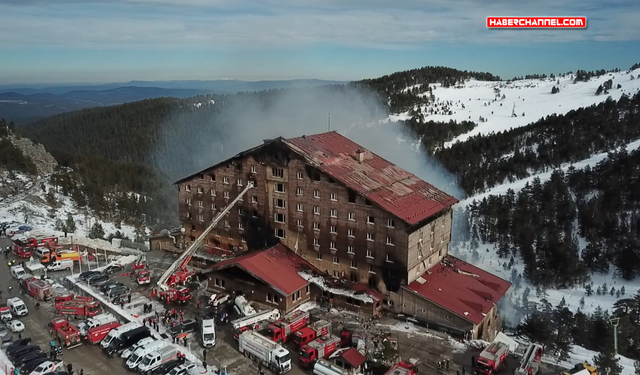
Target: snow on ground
[
  {"x": 408, "y": 327},
  {"x": 5, "y": 363},
  {"x": 36, "y": 213},
  {"x": 581, "y": 355},
  {"x": 321, "y": 283},
  {"x": 519, "y": 184},
  {"x": 531, "y": 96}
]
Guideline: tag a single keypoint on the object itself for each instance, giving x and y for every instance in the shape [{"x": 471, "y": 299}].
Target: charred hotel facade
[{"x": 352, "y": 215}]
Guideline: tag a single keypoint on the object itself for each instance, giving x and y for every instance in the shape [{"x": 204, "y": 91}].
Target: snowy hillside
[
  {"x": 487, "y": 258},
  {"x": 31, "y": 208},
  {"x": 495, "y": 101}
]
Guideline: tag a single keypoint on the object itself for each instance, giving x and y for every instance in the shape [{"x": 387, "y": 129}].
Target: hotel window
[
  {"x": 332, "y": 245},
  {"x": 187, "y": 187},
  {"x": 279, "y": 218},
  {"x": 351, "y": 249},
  {"x": 280, "y": 233},
  {"x": 369, "y": 236},
  {"x": 239, "y": 182},
  {"x": 300, "y": 223},
  {"x": 316, "y": 226},
  {"x": 201, "y": 217},
  {"x": 271, "y": 298},
  {"x": 188, "y": 201},
  {"x": 201, "y": 176},
  {"x": 336, "y": 260},
  {"x": 371, "y": 269},
  {"x": 253, "y": 169},
  {"x": 333, "y": 229},
  {"x": 199, "y": 203},
  {"x": 334, "y": 213},
  {"x": 279, "y": 188},
  {"x": 213, "y": 206},
  {"x": 316, "y": 210},
  {"x": 277, "y": 172},
  {"x": 212, "y": 177},
  {"x": 389, "y": 241},
  {"x": 388, "y": 259},
  {"x": 299, "y": 207},
  {"x": 318, "y": 256},
  {"x": 217, "y": 232},
  {"x": 334, "y": 196},
  {"x": 240, "y": 225},
  {"x": 300, "y": 175},
  {"x": 370, "y": 220},
  {"x": 254, "y": 199},
  {"x": 316, "y": 241},
  {"x": 225, "y": 194},
  {"x": 299, "y": 191},
  {"x": 316, "y": 193},
  {"x": 279, "y": 203},
  {"x": 212, "y": 192},
  {"x": 225, "y": 180},
  {"x": 219, "y": 283},
  {"x": 240, "y": 211},
  {"x": 200, "y": 190},
  {"x": 367, "y": 202},
  {"x": 391, "y": 223},
  {"x": 369, "y": 254},
  {"x": 352, "y": 216},
  {"x": 350, "y": 233},
  {"x": 354, "y": 264}
]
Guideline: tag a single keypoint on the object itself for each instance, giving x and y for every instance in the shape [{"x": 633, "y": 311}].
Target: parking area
[{"x": 415, "y": 343}]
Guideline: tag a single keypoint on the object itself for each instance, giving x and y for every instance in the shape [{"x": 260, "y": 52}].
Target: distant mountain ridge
[{"x": 24, "y": 104}]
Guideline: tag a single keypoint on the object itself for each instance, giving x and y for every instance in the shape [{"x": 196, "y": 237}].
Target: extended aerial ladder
[
  {"x": 177, "y": 272},
  {"x": 530, "y": 363}
]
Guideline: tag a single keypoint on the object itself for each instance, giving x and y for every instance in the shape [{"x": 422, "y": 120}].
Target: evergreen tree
[
  {"x": 582, "y": 303},
  {"x": 588, "y": 290},
  {"x": 96, "y": 231},
  {"x": 622, "y": 290},
  {"x": 608, "y": 362},
  {"x": 70, "y": 224}
]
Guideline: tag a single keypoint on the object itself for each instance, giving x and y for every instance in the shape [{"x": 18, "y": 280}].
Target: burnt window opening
[
  {"x": 367, "y": 202},
  {"x": 201, "y": 176},
  {"x": 331, "y": 180},
  {"x": 239, "y": 167},
  {"x": 352, "y": 196},
  {"x": 277, "y": 172},
  {"x": 213, "y": 177},
  {"x": 316, "y": 177}
]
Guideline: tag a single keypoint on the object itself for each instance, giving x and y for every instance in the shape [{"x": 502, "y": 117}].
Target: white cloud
[{"x": 248, "y": 23}]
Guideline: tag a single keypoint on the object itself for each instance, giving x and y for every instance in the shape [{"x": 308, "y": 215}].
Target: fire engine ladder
[
  {"x": 186, "y": 255},
  {"x": 527, "y": 359}
]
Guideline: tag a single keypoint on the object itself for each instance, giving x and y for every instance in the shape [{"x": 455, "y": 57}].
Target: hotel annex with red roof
[{"x": 349, "y": 214}]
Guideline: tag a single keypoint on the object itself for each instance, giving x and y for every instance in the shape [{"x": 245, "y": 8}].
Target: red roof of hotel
[
  {"x": 461, "y": 288},
  {"x": 277, "y": 266},
  {"x": 392, "y": 188}
]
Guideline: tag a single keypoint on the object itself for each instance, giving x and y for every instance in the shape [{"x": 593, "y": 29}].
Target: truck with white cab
[
  {"x": 265, "y": 351},
  {"x": 208, "y": 333},
  {"x": 95, "y": 321},
  {"x": 17, "y": 306},
  {"x": 157, "y": 358}
]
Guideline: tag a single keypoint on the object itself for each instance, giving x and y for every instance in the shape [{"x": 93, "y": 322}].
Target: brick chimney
[{"x": 360, "y": 155}]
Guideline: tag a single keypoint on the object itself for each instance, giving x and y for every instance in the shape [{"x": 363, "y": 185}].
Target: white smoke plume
[{"x": 232, "y": 125}]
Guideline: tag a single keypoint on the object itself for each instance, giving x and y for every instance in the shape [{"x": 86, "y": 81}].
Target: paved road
[{"x": 87, "y": 357}]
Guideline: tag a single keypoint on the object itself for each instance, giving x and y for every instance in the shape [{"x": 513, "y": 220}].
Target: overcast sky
[{"x": 94, "y": 41}]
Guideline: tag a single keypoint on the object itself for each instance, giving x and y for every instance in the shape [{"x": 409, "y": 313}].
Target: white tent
[{"x": 501, "y": 337}]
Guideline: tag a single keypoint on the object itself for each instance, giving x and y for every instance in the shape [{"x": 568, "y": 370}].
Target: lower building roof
[
  {"x": 461, "y": 288},
  {"x": 277, "y": 266}
]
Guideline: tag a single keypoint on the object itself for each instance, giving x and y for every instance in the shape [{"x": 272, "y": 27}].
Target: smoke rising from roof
[{"x": 238, "y": 122}]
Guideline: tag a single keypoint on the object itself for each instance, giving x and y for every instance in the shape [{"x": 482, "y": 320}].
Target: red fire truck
[
  {"x": 21, "y": 249},
  {"x": 319, "y": 348},
  {"x": 403, "y": 368},
  {"x": 79, "y": 309},
  {"x": 67, "y": 334},
  {"x": 96, "y": 334},
  {"x": 311, "y": 332},
  {"x": 282, "y": 330},
  {"x": 178, "y": 294},
  {"x": 492, "y": 358},
  {"x": 39, "y": 289}
]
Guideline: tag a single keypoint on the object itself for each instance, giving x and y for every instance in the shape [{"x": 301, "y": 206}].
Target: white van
[
  {"x": 127, "y": 352},
  {"x": 17, "y": 306},
  {"x": 137, "y": 356},
  {"x": 208, "y": 333},
  {"x": 41, "y": 251},
  {"x": 95, "y": 321},
  {"x": 61, "y": 265},
  {"x": 117, "y": 332},
  {"x": 17, "y": 272}
]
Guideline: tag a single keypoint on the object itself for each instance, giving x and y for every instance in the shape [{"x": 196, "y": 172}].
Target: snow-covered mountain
[{"x": 529, "y": 99}]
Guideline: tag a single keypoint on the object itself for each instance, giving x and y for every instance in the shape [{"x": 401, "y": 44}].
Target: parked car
[
  {"x": 183, "y": 329},
  {"x": 17, "y": 351},
  {"x": 15, "y": 326},
  {"x": 114, "y": 268},
  {"x": 119, "y": 291},
  {"x": 109, "y": 284},
  {"x": 217, "y": 299},
  {"x": 31, "y": 366},
  {"x": 164, "y": 369},
  {"x": 97, "y": 279},
  {"x": 28, "y": 358},
  {"x": 17, "y": 344},
  {"x": 86, "y": 275}
]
